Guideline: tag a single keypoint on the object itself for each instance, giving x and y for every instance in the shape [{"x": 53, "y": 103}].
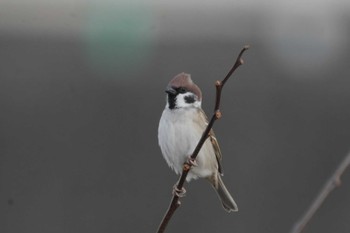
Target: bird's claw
[
  {"x": 192, "y": 162},
  {"x": 179, "y": 192}
]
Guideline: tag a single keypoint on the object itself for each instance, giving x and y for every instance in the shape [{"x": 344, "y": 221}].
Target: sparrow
[{"x": 180, "y": 128}]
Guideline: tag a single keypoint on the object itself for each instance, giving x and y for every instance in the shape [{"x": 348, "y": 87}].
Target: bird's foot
[
  {"x": 179, "y": 192},
  {"x": 192, "y": 162}
]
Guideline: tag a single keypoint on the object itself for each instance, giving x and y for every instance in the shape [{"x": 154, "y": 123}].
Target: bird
[{"x": 181, "y": 126}]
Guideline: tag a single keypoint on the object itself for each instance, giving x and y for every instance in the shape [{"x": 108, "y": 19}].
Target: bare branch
[
  {"x": 175, "y": 202},
  {"x": 333, "y": 182}
]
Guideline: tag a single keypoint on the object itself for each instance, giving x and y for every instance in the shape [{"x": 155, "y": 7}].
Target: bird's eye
[{"x": 181, "y": 90}]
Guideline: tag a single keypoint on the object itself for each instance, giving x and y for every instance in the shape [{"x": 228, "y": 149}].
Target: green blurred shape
[{"x": 118, "y": 36}]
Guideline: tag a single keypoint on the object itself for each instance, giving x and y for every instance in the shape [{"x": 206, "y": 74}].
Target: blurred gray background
[{"x": 82, "y": 90}]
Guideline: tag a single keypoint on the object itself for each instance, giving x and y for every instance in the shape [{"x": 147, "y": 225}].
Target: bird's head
[{"x": 182, "y": 92}]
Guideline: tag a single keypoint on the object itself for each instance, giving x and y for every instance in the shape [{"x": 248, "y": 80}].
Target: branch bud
[{"x": 218, "y": 114}]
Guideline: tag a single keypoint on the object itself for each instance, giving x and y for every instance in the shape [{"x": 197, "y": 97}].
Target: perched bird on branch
[{"x": 180, "y": 128}]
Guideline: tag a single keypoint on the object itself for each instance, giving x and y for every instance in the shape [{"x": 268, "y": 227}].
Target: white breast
[{"x": 178, "y": 134}]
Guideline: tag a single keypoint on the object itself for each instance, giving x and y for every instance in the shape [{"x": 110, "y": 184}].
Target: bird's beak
[{"x": 170, "y": 91}]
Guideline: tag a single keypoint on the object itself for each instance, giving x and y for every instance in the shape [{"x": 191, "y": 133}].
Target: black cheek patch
[{"x": 189, "y": 99}]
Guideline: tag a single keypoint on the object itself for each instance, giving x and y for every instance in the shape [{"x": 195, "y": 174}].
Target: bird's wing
[
  {"x": 214, "y": 142},
  {"x": 217, "y": 150}
]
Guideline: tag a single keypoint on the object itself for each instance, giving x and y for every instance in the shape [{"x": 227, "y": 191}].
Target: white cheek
[
  {"x": 181, "y": 103},
  {"x": 180, "y": 100}
]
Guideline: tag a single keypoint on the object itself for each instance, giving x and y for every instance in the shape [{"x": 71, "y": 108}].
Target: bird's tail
[{"x": 227, "y": 201}]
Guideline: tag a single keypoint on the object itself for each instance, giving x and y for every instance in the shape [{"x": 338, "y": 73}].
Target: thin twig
[
  {"x": 333, "y": 182},
  {"x": 175, "y": 202}
]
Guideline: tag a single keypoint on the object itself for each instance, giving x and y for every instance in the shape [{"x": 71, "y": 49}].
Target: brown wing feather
[
  {"x": 217, "y": 150},
  {"x": 214, "y": 142}
]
